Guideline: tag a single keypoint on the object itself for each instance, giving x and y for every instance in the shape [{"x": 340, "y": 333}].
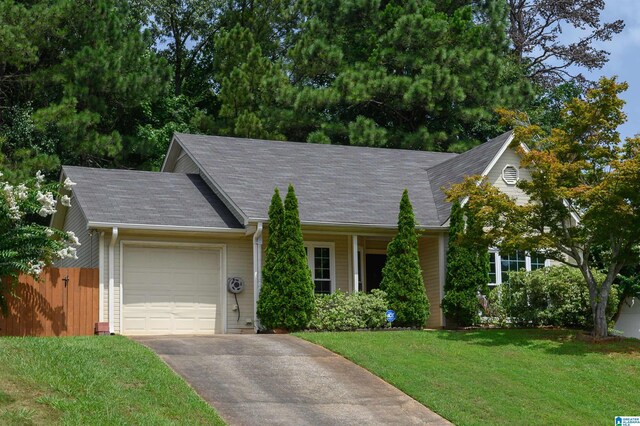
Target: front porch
[{"x": 352, "y": 262}]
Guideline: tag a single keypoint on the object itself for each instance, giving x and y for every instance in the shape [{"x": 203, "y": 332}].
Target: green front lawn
[
  {"x": 92, "y": 380},
  {"x": 510, "y": 377}
]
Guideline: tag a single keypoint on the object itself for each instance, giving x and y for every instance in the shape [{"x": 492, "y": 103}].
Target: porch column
[{"x": 354, "y": 246}]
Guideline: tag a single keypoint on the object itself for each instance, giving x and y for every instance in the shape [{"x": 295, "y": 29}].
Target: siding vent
[{"x": 510, "y": 174}]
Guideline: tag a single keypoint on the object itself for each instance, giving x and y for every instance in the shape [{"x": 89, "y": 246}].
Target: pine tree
[
  {"x": 268, "y": 309},
  {"x": 418, "y": 75},
  {"x": 401, "y": 275},
  {"x": 467, "y": 269}
]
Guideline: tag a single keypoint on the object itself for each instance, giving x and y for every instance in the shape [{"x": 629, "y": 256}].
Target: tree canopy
[
  {"x": 105, "y": 83},
  {"x": 535, "y": 28},
  {"x": 584, "y": 192}
]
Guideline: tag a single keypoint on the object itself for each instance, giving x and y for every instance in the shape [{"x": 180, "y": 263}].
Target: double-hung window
[
  {"x": 321, "y": 260},
  {"x": 500, "y": 265}
]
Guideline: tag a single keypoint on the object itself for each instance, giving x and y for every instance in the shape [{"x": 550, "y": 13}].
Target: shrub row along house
[{"x": 168, "y": 243}]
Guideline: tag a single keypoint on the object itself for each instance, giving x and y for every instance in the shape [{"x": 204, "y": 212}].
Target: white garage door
[{"x": 171, "y": 291}]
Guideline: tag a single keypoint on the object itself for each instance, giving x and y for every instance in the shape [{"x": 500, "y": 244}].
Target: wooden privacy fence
[{"x": 64, "y": 302}]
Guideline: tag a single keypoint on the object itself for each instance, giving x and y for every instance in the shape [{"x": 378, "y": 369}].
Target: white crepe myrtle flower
[
  {"x": 48, "y": 232},
  {"x": 73, "y": 240},
  {"x": 14, "y": 212},
  {"x": 21, "y": 192},
  {"x": 47, "y": 202},
  {"x": 8, "y": 190},
  {"x": 67, "y": 253},
  {"x": 35, "y": 268},
  {"x": 39, "y": 179},
  {"x": 65, "y": 201},
  {"x": 14, "y": 209},
  {"x": 72, "y": 252},
  {"x": 68, "y": 184}
]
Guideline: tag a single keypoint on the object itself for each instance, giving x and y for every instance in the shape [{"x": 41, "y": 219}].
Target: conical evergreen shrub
[
  {"x": 299, "y": 298},
  {"x": 402, "y": 276},
  {"x": 287, "y": 296},
  {"x": 269, "y": 307},
  {"x": 467, "y": 269}
]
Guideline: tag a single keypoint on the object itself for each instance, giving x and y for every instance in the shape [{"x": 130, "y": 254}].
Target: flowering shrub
[
  {"x": 25, "y": 246},
  {"x": 341, "y": 312}
]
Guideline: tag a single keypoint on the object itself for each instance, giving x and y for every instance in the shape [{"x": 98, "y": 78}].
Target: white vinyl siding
[
  {"x": 184, "y": 164},
  {"x": 430, "y": 265},
  {"x": 495, "y": 175},
  {"x": 88, "y": 250}
]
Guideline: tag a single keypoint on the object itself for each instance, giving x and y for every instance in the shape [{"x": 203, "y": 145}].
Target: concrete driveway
[{"x": 283, "y": 380}]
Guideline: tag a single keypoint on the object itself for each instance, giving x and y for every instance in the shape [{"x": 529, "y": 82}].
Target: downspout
[
  {"x": 257, "y": 271},
  {"x": 112, "y": 273}
]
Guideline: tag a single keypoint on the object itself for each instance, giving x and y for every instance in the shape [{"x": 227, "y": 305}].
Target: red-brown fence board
[{"x": 51, "y": 307}]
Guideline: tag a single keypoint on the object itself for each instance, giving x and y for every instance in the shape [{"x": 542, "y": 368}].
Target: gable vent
[{"x": 510, "y": 174}]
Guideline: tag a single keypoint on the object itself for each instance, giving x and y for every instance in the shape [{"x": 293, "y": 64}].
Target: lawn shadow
[{"x": 551, "y": 341}]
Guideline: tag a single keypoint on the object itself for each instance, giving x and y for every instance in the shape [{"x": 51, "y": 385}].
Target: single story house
[{"x": 166, "y": 243}]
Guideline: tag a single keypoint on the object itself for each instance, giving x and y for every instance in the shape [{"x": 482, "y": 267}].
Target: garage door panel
[{"x": 171, "y": 290}]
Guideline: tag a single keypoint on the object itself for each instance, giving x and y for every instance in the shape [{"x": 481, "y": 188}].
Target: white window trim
[
  {"x": 527, "y": 259},
  {"x": 310, "y": 246}
]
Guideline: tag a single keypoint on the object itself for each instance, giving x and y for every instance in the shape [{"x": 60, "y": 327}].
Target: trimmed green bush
[
  {"x": 343, "y": 312},
  {"x": 402, "y": 276},
  {"x": 467, "y": 269},
  {"x": 556, "y": 296}
]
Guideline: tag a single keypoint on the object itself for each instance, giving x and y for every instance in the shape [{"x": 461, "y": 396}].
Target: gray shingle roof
[
  {"x": 469, "y": 163},
  {"x": 334, "y": 184},
  {"x": 149, "y": 198}
]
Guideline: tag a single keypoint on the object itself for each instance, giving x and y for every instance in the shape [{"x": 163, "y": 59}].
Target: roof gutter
[
  {"x": 257, "y": 271},
  {"x": 112, "y": 273},
  {"x": 361, "y": 225},
  {"x": 143, "y": 227}
]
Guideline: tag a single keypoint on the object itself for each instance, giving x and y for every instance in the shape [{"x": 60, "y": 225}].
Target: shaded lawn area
[
  {"x": 92, "y": 380},
  {"x": 502, "y": 376}
]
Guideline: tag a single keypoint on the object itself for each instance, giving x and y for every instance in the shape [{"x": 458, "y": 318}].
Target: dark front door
[{"x": 375, "y": 263}]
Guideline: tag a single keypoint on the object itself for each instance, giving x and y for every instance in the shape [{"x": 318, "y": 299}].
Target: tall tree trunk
[
  {"x": 600, "y": 325},
  {"x": 598, "y": 295}
]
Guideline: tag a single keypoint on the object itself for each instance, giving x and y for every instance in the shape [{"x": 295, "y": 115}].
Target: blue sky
[{"x": 624, "y": 60}]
